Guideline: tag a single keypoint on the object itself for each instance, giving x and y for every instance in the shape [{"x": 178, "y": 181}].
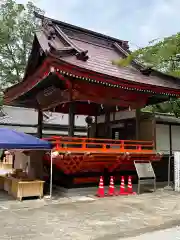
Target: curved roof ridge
[{"x": 86, "y": 31}]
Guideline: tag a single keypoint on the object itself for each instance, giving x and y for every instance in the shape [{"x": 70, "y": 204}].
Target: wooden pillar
[
  {"x": 107, "y": 124},
  {"x": 170, "y": 138},
  {"x": 88, "y": 130},
  {"x": 71, "y": 119},
  {"x": 40, "y": 123},
  {"x": 95, "y": 125},
  {"x": 95, "y": 121},
  {"x": 138, "y": 114}
]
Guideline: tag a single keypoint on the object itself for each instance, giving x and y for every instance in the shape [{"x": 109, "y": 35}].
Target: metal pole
[
  {"x": 169, "y": 171},
  {"x": 51, "y": 172},
  {"x": 169, "y": 187}
]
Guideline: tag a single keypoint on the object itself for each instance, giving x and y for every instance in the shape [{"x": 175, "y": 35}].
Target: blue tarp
[{"x": 10, "y": 139}]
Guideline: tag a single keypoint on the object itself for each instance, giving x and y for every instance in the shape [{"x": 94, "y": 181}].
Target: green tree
[
  {"x": 162, "y": 55},
  {"x": 17, "y": 27}
]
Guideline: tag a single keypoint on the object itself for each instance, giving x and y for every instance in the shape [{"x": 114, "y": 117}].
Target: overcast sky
[{"x": 138, "y": 21}]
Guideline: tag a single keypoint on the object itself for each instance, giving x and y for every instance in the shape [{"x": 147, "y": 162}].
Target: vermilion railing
[
  {"x": 94, "y": 145},
  {"x": 81, "y": 155}
]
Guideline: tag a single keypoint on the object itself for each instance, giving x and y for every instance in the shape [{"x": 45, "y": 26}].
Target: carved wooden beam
[{"x": 81, "y": 54}]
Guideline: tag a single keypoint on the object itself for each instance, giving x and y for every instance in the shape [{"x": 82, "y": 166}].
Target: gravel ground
[
  {"x": 167, "y": 234},
  {"x": 81, "y": 218}
]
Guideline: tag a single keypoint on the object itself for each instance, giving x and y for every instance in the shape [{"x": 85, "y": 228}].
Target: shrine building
[{"x": 70, "y": 70}]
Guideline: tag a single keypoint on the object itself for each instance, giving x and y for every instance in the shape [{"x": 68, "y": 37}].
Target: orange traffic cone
[
  {"x": 130, "y": 189},
  {"x": 100, "y": 191},
  {"x": 111, "y": 191},
  {"x": 122, "y": 187}
]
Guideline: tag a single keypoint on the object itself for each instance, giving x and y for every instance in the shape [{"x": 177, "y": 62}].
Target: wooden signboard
[{"x": 51, "y": 97}]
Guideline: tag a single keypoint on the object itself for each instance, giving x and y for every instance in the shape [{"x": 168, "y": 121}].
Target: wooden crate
[{"x": 21, "y": 189}]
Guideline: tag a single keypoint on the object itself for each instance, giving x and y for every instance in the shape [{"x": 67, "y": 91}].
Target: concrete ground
[{"x": 80, "y": 217}]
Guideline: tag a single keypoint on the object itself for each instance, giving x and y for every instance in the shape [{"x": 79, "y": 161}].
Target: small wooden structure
[
  {"x": 17, "y": 182},
  {"x": 21, "y": 189}
]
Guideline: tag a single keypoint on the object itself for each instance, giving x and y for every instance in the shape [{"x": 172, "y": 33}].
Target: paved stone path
[
  {"x": 168, "y": 234},
  {"x": 79, "y": 219}
]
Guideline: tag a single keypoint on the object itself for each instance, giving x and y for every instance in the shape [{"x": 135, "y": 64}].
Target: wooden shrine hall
[{"x": 70, "y": 70}]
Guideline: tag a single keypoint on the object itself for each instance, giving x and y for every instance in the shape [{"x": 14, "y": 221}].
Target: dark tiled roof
[
  {"x": 95, "y": 52},
  {"x": 87, "y": 50},
  {"x": 84, "y": 34},
  {"x": 100, "y": 60}
]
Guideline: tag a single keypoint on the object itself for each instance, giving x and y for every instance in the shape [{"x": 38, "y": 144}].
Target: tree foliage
[
  {"x": 162, "y": 55},
  {"x": 17, "y": 27}
]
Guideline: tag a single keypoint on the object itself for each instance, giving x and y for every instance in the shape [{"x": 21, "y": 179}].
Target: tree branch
[{"x": 14, "y": 61}]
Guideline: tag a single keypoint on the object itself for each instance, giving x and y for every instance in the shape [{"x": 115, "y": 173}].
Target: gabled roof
[
  {"x": 95, "y": 52},
  {"x": 88, "y": 56}
]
